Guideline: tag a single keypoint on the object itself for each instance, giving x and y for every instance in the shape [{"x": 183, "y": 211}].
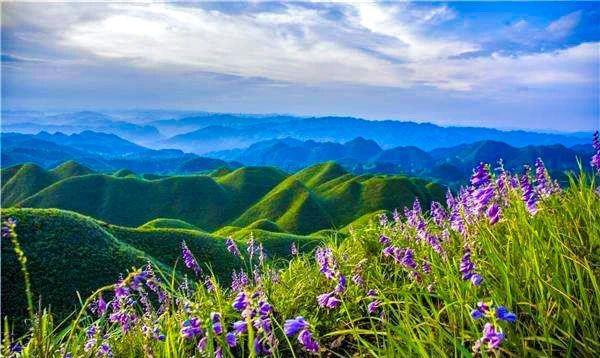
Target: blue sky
[{"x": 506, "y": 65}]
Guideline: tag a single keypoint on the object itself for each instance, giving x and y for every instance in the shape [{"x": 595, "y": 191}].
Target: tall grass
[{"x": 543, "y": 267}]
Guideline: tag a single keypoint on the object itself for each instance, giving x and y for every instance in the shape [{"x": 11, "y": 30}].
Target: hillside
[
  {"x": 319, "y": 197},
  {"x": 69, "y": 253}
]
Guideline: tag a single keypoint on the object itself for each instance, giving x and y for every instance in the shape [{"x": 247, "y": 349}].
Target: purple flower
[
  {"x": 383, "y": 219},
  {"x": 104, "y": 350},
  {"x": 216, "y": 321},
  {"x": 528, "y": 194},
  {"x": 328, "y": 300},
  {"x": 476, "y": 279},
  {"x": 99, "y": 307},
  {"x": 476, "y": 314},
  {"x": 596, "y": 157},
  {"x": 294, "y": 249},
  {"x": 190, "y": 328},
  {"x": 306, "y": 339},
  {"x": 326, "y": 262},
  {"x": 493, "y": 213},
  {"x": 232, "y": 247},
  {"x": 264, "y": 308},
  {"x": 467, "y": 269},
  {"x": 372, "y": 293},
  {"x": 231, "y": 339},
  {"x": 240, "y": 302},
  {"x": 219, "y": 352},
  {"x": 358, "y": 279},
  {"x": 202, "y": 343},
  {"x": 384, "y": 240},
  {"x": 481, "y": 176},
  {"x": 16, "y": 347},
  {"x": 293, "y": 326},
  {"x": 480, "y": 311},
  {"x": 396, "y": 216},
  {"x": 341, "y": 286},
  {"x": 261, "y": 347},
  {"x": 240, "y": 327},
  {"x": 426, "y": 267},
  {"x": 239, "y": 280},
  {"x": 407, "y": 259},
  {"x": 438, "y": 214},
  {"x": 373, "y": 306},
  {"x": 491, "y": 336},
  {"x": 504, "y": 314},
  {"x": 189, "y": 260}
]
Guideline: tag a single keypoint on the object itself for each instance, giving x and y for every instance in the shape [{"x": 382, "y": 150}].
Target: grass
[
  {"x": 317, "y": 198},
  {"x": 544, "y": 268}
]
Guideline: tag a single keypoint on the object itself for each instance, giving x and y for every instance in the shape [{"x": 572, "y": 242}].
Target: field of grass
[{"x": 508, "y": 267}]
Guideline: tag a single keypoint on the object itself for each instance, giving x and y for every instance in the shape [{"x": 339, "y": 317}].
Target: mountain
[
  {"x": 319, "y": 197},
  {"x": 76, "y": 122},
  {"x": 101, "y": 152},
  {"x": 232, "y": 133},
  {"x": 449, "y": 165}
]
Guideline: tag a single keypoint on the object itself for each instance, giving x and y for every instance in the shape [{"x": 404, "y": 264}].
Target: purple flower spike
[
  {"x": 240, "y": 302},
  {"x": 293, "y": 326},
  {"x": 328, "y": 300},
  {"x": 481, "y": 176},
  {"x": 190, "y": 328},
  {"x": 240, "y": 327},
  {"x": 306, "y": 339},
  {"x": 189, "y": 260},
  {"x": 596, "y": 157},
  {"x": 373, "y": 307},
  {"x": 232, "y": 247},
  {"x": 294, "y": 249},
  {"x": 504, "y": 314},
  {"x": 231, "y": 339},
  {"x": 529, "y": 196},
  {"x": 476, "y": 279},
  {"x": 216, "y": 321},
  {"x": 438, "y": 214},
  {"x": 341, "y": 286},
  {"x": 493, "y": 213},
  {"x": 384, "y": 240},
  {"x": 491, "y": 336}
]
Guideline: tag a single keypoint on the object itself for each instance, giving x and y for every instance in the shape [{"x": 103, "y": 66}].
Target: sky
[{"x": 505, "y": 65}]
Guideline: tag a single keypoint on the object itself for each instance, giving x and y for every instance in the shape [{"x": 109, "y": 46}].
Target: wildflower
[
  {"x": 358, "y": 279},
  {"x": 384, "y": 240},
  {"x": 467, "y": 269},
  {"x": 202, "y": 343},
  {"x": 231, "y": 339},
  {"x": 89, "y": 344},
  {"x": 383, "y": 219},
  {"x": 189, "y": 260},
  {"x": 408, "y": 258},
  {"x": 252, "y": 246},
  {"x": 216, "y": 321},
  {"x": 341, "y": 286},
  {"x": 239, "y": 281},
  {"x": 261, "y": 254},
  {"x": 326, "y": 262},
  {"x": 373, "y": 306},
  {"x": 240, "y": 327},
  {"x": 16, "y": 347},
  {"x": 491, "y": 336},
  {"x": 493, "y": 213},
  {"x": 294, "y": 249},
  {"x": 438, "y": 214},
  {"x": 190, "y": 328},
  {"x": 480, "y": 311},
  {"x": 328, "y": 300},
  {"x": 105, "y": 350},
  {"x": 426, "y": 267},
  {"x": 260, "y": 346},
  {"x": 99, "y": 307},
  {"x": 596, "y": 157},
  {"x": 219, "y": 352},
  {"x": 396, "y": 216},
  {"x": 232, "y": 247},
  {"x": 529, "y": 196},
  {"x": 308, "y": 343},
  {"x": 293, "y": 326},
  {"x": 372, "y": 293},
  {"x": 476, "y": 279},
  {"x": 240, "y": 302},
  {"x": 504, "y": 314},
  {"x": 481, "y": 176}
]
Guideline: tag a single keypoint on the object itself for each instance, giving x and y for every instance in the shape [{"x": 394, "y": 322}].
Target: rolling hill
[{"x": 319, "y": 197}]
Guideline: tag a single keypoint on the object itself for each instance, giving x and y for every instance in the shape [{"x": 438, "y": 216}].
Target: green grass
[
  {"x": 163, "y": 223},
  {"x": 320, "y": 197},
  {"x": 545, "y": 268}
]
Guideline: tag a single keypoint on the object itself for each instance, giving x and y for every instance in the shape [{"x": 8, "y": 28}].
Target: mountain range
[{"x": 320, "y": 197}]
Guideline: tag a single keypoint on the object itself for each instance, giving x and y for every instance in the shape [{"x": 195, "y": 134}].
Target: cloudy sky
[{"x": 506, "y": 65}]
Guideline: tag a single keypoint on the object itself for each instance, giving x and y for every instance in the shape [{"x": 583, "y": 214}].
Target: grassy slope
[
  {"x": 66, "y": 252},
  {"x": 313, "y": 199},
  {"x": 164, "y": 223}
]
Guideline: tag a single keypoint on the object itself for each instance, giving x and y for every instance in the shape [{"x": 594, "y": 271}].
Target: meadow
[{"x": 507, "y": 266}]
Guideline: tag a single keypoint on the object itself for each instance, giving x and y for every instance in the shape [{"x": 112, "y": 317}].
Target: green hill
[
  {"x": 25, "y": 181},
  {"x": 321, "y": 197},
  {"x": 66, "y": 253},
  {"x": 163, "y": 223},
  {"x": 264, "y": 224},
  {"x": 292, "y": 206}
]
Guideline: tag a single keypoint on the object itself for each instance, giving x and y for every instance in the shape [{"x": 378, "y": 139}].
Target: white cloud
[
  {"x": 375, "y": 44},
  {"x": 563, "y": 26}
]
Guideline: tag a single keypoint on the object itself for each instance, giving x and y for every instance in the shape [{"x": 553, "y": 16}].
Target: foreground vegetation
[{"x": 508, "y": 266}]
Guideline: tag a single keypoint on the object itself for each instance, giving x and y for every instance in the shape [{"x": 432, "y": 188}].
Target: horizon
[{"x": 506, "y": 66}]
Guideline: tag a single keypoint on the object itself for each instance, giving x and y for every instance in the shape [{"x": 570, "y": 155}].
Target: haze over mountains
[{"x": 168, "y": 142}]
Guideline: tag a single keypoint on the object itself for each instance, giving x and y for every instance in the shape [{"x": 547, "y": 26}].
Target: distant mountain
[
  {"x": 76, "y": 122},
  {"x": 101, "y": 152},
  {"x": 320, "y": 197},
  {"x": 448, "y": 165},
  {"x": 238, "y": 131}
]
